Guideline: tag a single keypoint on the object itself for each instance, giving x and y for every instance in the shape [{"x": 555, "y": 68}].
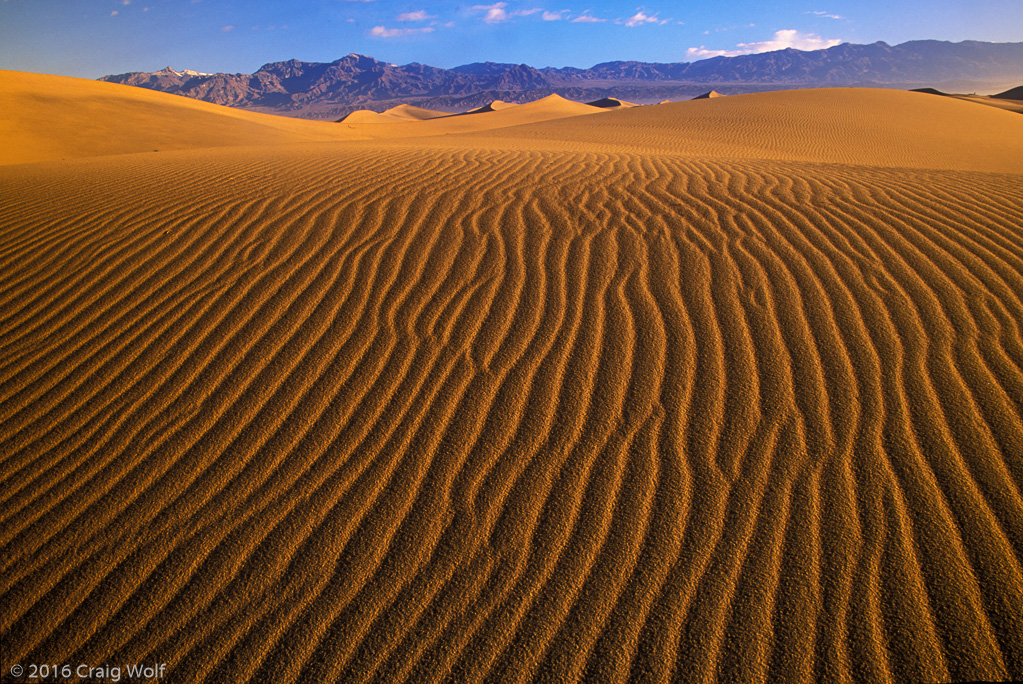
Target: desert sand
[{"x": 721, "y": 390}]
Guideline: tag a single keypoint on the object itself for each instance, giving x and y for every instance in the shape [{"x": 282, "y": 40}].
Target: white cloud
[
  {"x": 791, "y": 38},
  {"x": 703, "y": 53},
  {"x": 826, "y": 15},
  {"x": 553, "y": 16},
  {"x": 496, "y": 13},
  {"x": 384, "y": 32},
  {"x": 786, "y": 38},
  {"x": 640, "y": 18},
  {"x": 419, "y": 15},
  {"x": 587, "y": 19}
]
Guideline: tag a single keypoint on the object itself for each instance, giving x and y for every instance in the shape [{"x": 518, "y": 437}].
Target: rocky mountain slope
[{"x": 326, "y": 90}]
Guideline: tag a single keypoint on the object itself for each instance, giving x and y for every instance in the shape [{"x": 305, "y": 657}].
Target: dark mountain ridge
[{"x": 328, "y": 90}]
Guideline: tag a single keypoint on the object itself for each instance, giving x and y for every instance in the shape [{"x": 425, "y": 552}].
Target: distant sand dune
[
  {"x": 405, "y": 111},
  {"x": 507, "y": 405},
  {"x": 835, "y": 125},
  {"x": 364, "y": 116},
  {"x": 1011, "y": 94},
  {"x": 44, "y": 118},
  {"x": 611, "y": 103},
  {"x": 495, "y": 106}
]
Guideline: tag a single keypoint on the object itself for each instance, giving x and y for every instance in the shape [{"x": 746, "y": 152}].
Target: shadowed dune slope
[
  {"x": 45, "y": 117},
  {"x": 485, "y": 410},
  {"x": 831, "y": 125},
  {"x": 495, "y": 106},
  {"x": 611, "y": 103},
  {"x": 1011, "y": 94}
]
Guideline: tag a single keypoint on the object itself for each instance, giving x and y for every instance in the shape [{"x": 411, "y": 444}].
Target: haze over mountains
[{"x": 330, "y": 90}]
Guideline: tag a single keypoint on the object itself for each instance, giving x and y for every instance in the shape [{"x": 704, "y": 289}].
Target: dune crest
[
  {"x": 404, "y": 111},
  {"x": 495, "y": 106},
  {"x": 365, "y": 116}
]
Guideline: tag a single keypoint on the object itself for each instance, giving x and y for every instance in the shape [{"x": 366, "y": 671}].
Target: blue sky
[{"x": 90, "y": 38}]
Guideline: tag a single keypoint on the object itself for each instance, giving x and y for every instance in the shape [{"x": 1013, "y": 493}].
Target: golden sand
[{"x": 725, "y": 390}]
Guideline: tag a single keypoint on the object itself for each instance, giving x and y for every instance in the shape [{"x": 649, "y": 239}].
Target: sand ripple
[{"x": 426, "y": 413}]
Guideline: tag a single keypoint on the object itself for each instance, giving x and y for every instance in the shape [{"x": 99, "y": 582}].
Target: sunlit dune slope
[
  {"x": 831, "y": 125},
  {"x": 404, "y": 111},
  {"x": 1009, "y": 104},
  {"x": 736, "y": 403},
  {"x": 365, "y": 116},
  {"x": 46, "y": 117},
  {"x": 552, "y": 107}
]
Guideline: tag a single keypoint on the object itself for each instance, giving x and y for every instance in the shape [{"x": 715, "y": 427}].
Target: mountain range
[{"x": 329, "y": 90}]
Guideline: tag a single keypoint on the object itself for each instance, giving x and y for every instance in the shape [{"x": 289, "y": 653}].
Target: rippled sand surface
[{"x": 725, "y": 390}]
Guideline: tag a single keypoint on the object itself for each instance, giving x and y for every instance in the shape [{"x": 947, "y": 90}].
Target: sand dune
[
  {"x": 495, "y": 106},
  {"x": 402, "y": 112},
  {"x": 550, "y": 108},
  {"x": 611, "y": 103},
  {"x": 1011, "y": 94},
  {"x": 44, "y": 118},
  {"x": 1004, "y": 100},
  {"x": 992, "y": 101},
  {"x": 365, "y": 116},
  {"x": 734, "y": 402},
  {"x": 831, "y": 125},
  {"x": 409, "y": 112}
]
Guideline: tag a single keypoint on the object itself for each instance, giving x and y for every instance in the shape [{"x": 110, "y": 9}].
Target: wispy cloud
[
  {"x": 418, "y": 15},
  {"x": 786, "y": 38},
  {"x": 384, "y": 32},
  {"x": 496, "y": 13},
  {"x": 640, "y": 18},
  {"x": 588, "y": 19},
  {"x": 826, "y": 15},
  {"x": 227, "y": 28},
  {"x": 554, "y": 16}
]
